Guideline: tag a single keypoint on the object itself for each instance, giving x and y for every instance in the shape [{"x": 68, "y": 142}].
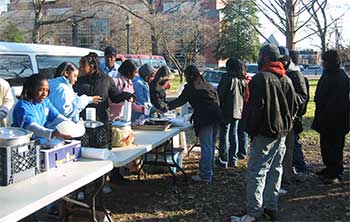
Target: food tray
[{"x": 152, "y": 127}]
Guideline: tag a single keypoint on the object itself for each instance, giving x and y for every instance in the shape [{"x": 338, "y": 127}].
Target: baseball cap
[
  {"x": 146, "y": 70},
  {"x": 109, "y": 50},
  {"x": 283, "y": 50},
  {"x": 271, "y": 51}
]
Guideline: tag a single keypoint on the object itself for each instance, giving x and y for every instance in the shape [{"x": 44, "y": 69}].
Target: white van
[{"x": 20, "y": 60}]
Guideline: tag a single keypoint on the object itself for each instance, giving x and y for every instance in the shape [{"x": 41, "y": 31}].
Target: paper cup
[{"x": 90, "y": 114}]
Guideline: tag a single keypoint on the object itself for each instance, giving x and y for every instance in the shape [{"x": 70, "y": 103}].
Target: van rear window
[
  {"x": 47, "y": 64},
  {"x": 15, "y": 66}
]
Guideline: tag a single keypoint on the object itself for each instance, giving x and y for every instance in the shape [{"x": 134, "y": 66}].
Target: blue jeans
[
  {"x": 243, "y": 140},
  {"x": 298, "y": 156},
  {"x": 207, "y": 138},
  {"x": 264, "y": 174},
  {"x": 228, "y": 146}
]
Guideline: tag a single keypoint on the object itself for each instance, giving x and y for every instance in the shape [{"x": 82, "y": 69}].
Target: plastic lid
[{"x": 13, "y": 132}]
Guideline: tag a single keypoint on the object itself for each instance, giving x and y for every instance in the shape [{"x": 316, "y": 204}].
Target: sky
[
  {"x": 336, "y": 8},
  {"x": 3, "y": 4}
]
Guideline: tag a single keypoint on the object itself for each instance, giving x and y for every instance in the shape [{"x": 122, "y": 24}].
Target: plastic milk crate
[
  {"x": 19, "y": 162},
  {"x": 54, "y": 157},
  {"x": 97, "y": 135}
]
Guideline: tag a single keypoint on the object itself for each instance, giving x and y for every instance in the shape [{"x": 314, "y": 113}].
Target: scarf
[{"x": 274, "y": 67}]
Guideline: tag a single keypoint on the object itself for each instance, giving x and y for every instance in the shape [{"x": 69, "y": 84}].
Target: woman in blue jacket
[
  {"x": 62, "y": 95},
  {"x": 34, "y": 110}
]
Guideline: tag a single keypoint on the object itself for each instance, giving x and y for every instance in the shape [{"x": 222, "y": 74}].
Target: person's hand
[
  {"x": 96, "y": 99},
  {"x": 55, "y": 133},
  {"x": 132, "y": 98}
]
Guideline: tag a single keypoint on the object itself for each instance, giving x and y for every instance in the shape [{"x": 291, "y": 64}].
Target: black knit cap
[{"x": 271, "y": 51}]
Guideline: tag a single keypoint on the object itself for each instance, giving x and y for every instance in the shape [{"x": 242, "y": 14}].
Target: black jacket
[
  {"x": 94, "y": 85},
  {"x": 332, "y": 103},
  {"x": 271, "y": 105},
  {"x": 231, "y": 94},
  {"x": 205, "y": 103},
  {"x": 158, "y": 96},
  {"x": 301, "y": 94}
]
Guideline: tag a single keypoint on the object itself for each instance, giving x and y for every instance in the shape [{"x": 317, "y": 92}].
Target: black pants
[{"x": 332, "y": 146}]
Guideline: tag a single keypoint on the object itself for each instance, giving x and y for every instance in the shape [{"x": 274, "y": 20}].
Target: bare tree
[
  {"x": 321, "y": 22},
  {"x": 153, "y": 17},
  {"x": 187, "y": 36},
  {"x": 284, "y": 15},
  {"x": 41, "y": 20}
]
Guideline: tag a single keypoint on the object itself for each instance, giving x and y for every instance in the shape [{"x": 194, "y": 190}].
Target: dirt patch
[{"x": 155, "y": 199}]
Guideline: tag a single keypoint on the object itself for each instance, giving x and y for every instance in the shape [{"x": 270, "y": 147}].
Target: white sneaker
[
  {"x": 245, "y": 218},
  {"x": 81, "y": 196},
  {"x": 106, "y": 189},
  {"x": 197, "y": 178},
  {"x": 282, "y": 191}
]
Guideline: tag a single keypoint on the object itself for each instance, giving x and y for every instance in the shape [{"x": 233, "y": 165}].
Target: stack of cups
[{"x": 90, "y": 114}]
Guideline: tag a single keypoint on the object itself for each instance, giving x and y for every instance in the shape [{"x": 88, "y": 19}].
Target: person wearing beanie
[
  {"x": 157, "y": 90},
  {"x": 110, "y": 67},
  {"x": 145, "y": 76},
  {"x": 268, "y": 119},
  {"x": 301, "y": 98},
  {"x": 332, "y": 119}
]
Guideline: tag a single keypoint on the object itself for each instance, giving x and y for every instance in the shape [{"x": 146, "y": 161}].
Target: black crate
[
  {"x": 99, "y": 137},
  {"x": 19, "y": 162}
]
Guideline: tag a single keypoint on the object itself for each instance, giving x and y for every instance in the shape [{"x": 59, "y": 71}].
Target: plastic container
[
  {"x": 58, "y": 155},
  {"x": 97, "y": 135},
  {"x": 19, "y": 162}
]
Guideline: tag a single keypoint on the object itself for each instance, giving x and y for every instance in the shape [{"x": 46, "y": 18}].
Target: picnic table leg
[
  {"x": 196, "y": 143},
  {"x": 93, "y": 207}
]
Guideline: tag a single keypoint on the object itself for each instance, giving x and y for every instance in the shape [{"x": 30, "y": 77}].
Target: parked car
[
  {"x": 20, "y": 60},
  {"x": 252, "y": 69},
  {"x": 213, "y": 76},
  {"x": 313, "y": 70},
  {"x": 155, "y": 60}
]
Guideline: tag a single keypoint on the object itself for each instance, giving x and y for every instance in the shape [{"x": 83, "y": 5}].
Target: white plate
[{"x": 71, "y": 128}]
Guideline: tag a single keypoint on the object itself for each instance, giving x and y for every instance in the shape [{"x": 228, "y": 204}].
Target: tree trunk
[
  {"x": 323, "y": 42},
  {"x": 154, "y": 39},
  {"x": 75, "y": 31},
  {"x": 290, "y": 31},
  {"x": 36, "y": 32}
]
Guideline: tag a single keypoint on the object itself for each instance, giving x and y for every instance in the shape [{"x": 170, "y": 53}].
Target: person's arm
[
  {"x": 223, "y": 88},
  {"x": 156, "y": 100},
  {"x": 137, "y": 108},
  {"x": 140, "y": 93},
  {"x": 113, "y": 94},
  {"x": 54, "y": 118},
  {"x": 24, "y": 117},
  {"x": 253, "y": 112},
  {"x": 181, "y": 100},
  {"x": 321, "y": 90},
  {"x": 299, "y": 88},
  {"x": 7, "y": 101}
]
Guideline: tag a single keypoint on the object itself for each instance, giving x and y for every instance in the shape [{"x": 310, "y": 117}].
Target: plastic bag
[{"x": 122, "y": 137}]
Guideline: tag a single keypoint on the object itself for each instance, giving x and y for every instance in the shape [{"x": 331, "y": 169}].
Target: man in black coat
[
  {"x": 298, "y": 81},
  {"x": 332, "y": 115},
  {"x": 268, "y": 118}
]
